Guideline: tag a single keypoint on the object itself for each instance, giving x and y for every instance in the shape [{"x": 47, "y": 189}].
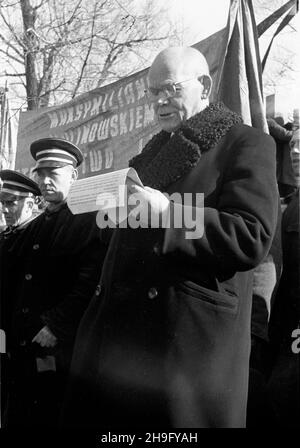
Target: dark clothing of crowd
[{"x": 49, "y": 271}]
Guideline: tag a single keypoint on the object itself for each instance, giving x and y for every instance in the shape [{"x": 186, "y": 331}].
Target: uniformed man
[
  {"x": 56, "y": 266},
  {"x": 18, "y": 194}
]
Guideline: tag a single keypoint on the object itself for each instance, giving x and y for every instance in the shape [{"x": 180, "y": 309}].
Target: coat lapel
[{"x": 167, "y": 158}]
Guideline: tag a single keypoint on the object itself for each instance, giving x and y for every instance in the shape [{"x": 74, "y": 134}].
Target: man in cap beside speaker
[
  {"x": 18, "y": 194},
  {"x": 59, "y": 261}
]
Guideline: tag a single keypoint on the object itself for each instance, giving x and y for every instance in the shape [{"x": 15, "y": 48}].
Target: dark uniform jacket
[
  {"x": 51, "y": 270},
  {"x": 165, "y": 341},
  {"x": 7, "y": 238}
]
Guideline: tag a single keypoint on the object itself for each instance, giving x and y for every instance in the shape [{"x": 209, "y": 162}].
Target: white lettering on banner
[
  {"x": 102, "y": 132},
  {"x": 111, "y": 99},
  {"x": 93, "y": 131},
  {"x": 140, "y": 87},
  {"x": 63, "y": 117},
  {"x": 123, "y": 126},
  {"x": 139, "y": 116},
  {"x": 127, "y": 94},
  {"x": 131, "y": 119},
  {"x": 78, "y": 109},
  {"x": 104, "y": 108},
  {"x": 85, "y": 134},
  {"x": 96, "y": 106},
  {"x": 118, "y": 124},
  {"x": 120, "y": 92},
  {"x": 95, "y": 160},
  {"x": 100, "y": 160},
  {"x": 70, "y": 114},
  {"x": 148, "y": 114},
  {"x": 83, "y": 165},
  {"x": 109, "y": 158},
  {"x": 114, "y": 125},
  {"x": 53, "y": 119},
  {"x": 87, "y": 108}
]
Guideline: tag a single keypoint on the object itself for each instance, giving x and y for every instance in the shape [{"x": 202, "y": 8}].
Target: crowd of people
[{"x": 169, "y": 326}]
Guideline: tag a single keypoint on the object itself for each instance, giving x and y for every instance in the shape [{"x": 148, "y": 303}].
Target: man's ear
[
  {"x": 30, "y": 204},
  {"x": 74, "y": 175},
  {"x": 206, "y": 81}
]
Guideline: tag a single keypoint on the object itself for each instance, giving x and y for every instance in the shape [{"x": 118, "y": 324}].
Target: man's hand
[
  {"x": 45, "y": 338},
  {"x": 147, "y": 205}
]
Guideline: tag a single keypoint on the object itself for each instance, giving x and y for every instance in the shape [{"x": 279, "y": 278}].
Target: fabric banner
[{"x": 239, "y": 81}]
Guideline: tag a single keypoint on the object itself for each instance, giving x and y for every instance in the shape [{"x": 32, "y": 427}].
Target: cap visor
[{"x": 49, "y": 164}]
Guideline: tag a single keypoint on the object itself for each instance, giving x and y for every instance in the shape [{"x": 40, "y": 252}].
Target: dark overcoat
[
  {"x": 165, "y": 340},
  {"x": 51, "y": 270}
]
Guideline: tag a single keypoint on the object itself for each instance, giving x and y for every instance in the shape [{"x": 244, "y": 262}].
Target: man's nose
[
  {"x": 44, "y": 180},
  {"x": 163, "y": 98}
]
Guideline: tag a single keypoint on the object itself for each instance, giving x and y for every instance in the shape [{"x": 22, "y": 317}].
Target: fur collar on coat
[{"x": 165, "y": 159}]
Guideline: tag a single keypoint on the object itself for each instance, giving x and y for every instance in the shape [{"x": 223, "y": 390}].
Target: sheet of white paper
[{"x": 101, "y": 192}]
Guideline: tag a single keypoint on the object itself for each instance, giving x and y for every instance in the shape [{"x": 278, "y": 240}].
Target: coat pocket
[{"x": 218, "y": 300}]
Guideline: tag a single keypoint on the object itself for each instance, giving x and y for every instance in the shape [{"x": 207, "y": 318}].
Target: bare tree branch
[
  {"x": 9, "y": 44},
  {"x": 42, "y": 2},
  {"x": 15, "y": 74},
  {"x": 9, "y": 26},
  {"x": 54, "y": 88},
  {"x": 11, "y": 56},
  {"x": 86, "y": 57}
]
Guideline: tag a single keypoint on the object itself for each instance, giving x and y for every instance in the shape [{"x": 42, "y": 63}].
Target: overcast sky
[{"x": 200, "y": 18}]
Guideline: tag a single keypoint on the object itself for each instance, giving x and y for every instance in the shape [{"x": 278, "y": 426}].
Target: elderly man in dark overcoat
[
  {"x": 165, "y": 340},
  {"x": 54, "y": 267}
]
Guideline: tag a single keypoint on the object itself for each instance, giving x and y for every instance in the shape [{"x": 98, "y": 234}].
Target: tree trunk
[{"x": 30, "y": 40}]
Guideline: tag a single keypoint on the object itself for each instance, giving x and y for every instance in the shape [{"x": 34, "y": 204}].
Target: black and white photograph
[{"x": 149, "y": 218}]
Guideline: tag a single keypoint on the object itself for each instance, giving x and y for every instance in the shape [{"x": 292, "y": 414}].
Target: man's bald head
[
  {"x": 179, "y": 85},
  {"x": 186, "y": 59}
]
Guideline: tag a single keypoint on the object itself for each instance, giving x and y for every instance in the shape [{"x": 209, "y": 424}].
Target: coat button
[
  {"x": 35, "y": 246},
  {"x": 98, "y": 290},
  {"x": 28, "y": 276},
  {"x": 152, "y": 293}
]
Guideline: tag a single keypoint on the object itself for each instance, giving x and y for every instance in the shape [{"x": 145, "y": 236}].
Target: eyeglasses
[
  {"x": 9, "y": 204},
  {"x": 170, "y": 90}
]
